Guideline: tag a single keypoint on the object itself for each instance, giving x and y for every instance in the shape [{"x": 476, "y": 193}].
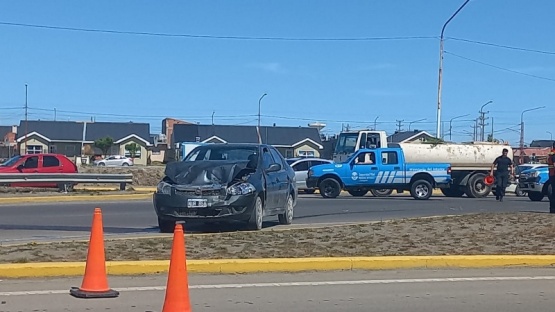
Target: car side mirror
[
  {"x": 274, "y": 168},
  {"x": 20, "y": 167}
]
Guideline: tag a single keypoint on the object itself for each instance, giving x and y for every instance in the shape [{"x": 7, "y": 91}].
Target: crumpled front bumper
[{"x": 221, "y": 206}]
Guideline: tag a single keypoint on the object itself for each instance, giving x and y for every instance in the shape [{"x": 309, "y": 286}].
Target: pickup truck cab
[
  {"x": 379, "y": 168},
  {"x": 533, "y": 181}
]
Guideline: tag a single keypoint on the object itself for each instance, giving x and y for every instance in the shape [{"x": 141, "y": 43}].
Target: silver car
[
  {"x": 114, "y": 160},
  {"x": 301, "y": 166}
]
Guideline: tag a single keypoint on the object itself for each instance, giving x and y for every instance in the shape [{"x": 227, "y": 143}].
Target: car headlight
[
  {"x": 241, "y": 189},
  {"x": 534, "y": 174},
  {"x": 164, "y": 188}
]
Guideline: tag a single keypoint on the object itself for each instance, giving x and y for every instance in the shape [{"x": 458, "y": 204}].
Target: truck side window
[
  {"x": 367, "y": 158},
  {"x": 267, "y": 159},
  {"x": 390, "y": 158},
  {"x": 31, "y": 162}
]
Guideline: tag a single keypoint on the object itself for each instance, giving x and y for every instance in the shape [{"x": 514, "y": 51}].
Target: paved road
[
  {"x": 40, "y": 222},
  {"x": 499, "y": 290}
]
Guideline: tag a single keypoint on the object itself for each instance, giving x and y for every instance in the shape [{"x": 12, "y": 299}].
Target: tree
[
  {"x": 104, "y": 144},
  {"x": 132, "y": 148}
]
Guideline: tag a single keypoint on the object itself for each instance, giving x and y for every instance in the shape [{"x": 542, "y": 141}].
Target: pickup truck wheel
[
  {"x": 358, "y": 193},
  {"x": 330, "y": 188},
  {"x": 381, "y": 192},
  {"x": 421, "y": 189},
  {"x": 535, "y": 196}
]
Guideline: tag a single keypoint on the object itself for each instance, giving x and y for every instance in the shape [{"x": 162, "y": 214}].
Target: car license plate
[{"x": 197, "y": 203}]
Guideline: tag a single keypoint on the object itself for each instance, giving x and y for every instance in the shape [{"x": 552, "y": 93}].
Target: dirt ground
[{"x": 478, "y": 234}]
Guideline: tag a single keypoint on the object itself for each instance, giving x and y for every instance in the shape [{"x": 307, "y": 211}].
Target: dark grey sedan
[{"x": 227, "y": 182}]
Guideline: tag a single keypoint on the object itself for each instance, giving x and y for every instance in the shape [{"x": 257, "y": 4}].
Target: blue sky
[{"x": 122, "y": 77}]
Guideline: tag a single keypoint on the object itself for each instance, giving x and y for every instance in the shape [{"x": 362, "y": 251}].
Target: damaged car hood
[{"x": 206, "y": 172}]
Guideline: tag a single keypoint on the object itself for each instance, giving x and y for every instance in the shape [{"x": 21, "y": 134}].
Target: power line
[
  {"x": 501, "y": 68},
  {"x": 212, "y": 36},
  {"x": 503, "y": 46}
]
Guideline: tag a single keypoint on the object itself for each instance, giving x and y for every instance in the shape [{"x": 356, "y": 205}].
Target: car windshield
[
  {"x": 222, "y": 152},
  {"x": 522, "y": 168},
  {"x": 11, "y": 161}
]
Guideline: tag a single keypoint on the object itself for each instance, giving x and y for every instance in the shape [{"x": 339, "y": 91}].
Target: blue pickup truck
[
  {"x": 533, "y": 181},
  {"x": 379, "y": 168}
]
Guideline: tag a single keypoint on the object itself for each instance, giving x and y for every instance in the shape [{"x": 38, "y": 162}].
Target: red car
[{"x": 38, "y": 163}]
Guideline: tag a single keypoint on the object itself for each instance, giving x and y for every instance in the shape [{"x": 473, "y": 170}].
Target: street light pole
[
  {"x": 483, "y": 120},
  {"x": 416, "y": 121},
  {"x": 258, "y": 127},
  {"x": 451, "y": 124},
  {"x": 375, "y": 123},
  {"x": 438, "y": 130},
  {"x": 520, "y": 159},
  {"x": 550, "y": 134}
]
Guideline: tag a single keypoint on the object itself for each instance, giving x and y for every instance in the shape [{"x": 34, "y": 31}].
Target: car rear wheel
[
  {"x": 287, "y": 216},
  {"x": 358, "y": 193},
  {"x": 125, "y": 164},
  {"x": 381, "y": 192},
  {"x": 255, "y": 221}
]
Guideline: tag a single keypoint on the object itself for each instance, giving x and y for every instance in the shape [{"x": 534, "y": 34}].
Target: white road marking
[{"x": 296, "y": 284}]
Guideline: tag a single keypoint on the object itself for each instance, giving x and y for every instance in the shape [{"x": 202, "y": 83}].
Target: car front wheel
[
  {"x": 330, "y": 188},
  {"x": 255, "y": 221},
  {"x": 287, "y": 216}
]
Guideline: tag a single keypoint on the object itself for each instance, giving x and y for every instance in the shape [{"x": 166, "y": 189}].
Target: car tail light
[{"x": 449, "y": 170}]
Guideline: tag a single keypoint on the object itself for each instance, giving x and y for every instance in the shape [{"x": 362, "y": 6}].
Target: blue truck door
[
  {"x": 390, "y": 170},
  {"x": 364, "y": 170}
]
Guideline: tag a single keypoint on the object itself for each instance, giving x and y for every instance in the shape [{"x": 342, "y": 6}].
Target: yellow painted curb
[
  {"x": 114, "y": 188},
  {"x": 59, "y": 269},
  {"x": 69, "y": 198}
]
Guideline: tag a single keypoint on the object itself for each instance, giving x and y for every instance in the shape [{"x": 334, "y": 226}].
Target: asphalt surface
[
  {"x": 62, "y": 221},
  {"x": 492, "y": 290}
]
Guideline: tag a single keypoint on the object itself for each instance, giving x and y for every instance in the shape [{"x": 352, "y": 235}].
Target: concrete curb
[
  {"x": 234, "y": 266},
  {"x": 76, "y": 198},
  {"x": 114, "y": 188}
]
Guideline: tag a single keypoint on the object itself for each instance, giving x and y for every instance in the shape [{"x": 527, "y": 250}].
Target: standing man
[
  {"x": 551, "y": 181},
  {"x": 504, "y": 164}
]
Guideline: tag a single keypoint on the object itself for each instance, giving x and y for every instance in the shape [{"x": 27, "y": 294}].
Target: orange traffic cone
[
  {"x": 177, "y": 288},
  {"x": 95, "y": 281}
]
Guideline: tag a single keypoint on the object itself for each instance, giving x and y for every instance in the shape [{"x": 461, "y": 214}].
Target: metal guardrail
[{"x": 66, "y": 180}]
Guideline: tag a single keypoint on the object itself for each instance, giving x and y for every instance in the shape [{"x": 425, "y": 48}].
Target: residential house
[
  {"x": 8, "y": 145},
  {"x": 73, "y": 138},
  {"x": 289, "y": 141},
  {"x": 168, "y": 125},
  {"x": 414, "y": 136}
]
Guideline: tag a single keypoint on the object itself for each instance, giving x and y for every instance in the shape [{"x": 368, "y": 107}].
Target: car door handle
[
  {"x": 374, "y": 168},
  {"x": 397, "y": 168}
]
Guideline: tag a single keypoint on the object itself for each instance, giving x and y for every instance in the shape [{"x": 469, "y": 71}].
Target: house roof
[
  {"x": 73, "y": 131},
  {"x": 402, "y": 136},
  {"x": 541, "y": 143},
  {"x": 5, "y": 130},
  {"x": 284, "y": 136}
]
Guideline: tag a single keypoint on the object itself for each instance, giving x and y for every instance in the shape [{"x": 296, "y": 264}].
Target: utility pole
[
  {"x": 375, "y": 123},
  {"x": 491, "y": 129},
  {"x": 258, "y": 128},
  {"x": 438, "y": 131},
  {"x": 26, "y": 128},
  {"x": 54, "y": 113},
  {"x": 520, "y": 159},
  {"x": 399, "y": 125},
  {"x": 213, "y": 112},
  {"x": 483, "y": 120}
]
